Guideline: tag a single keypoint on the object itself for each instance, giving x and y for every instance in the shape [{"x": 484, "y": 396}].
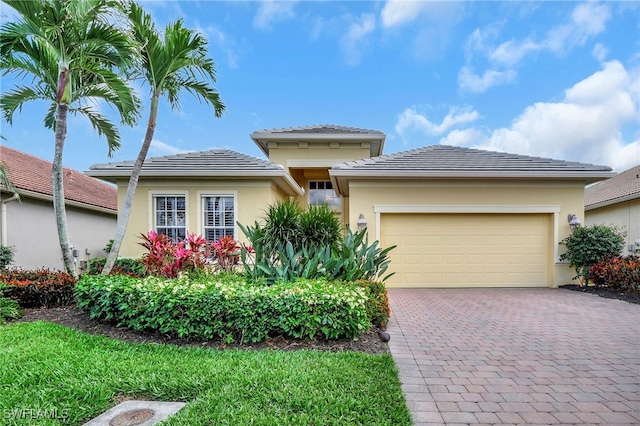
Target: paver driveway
[{"x": 516, "y": 356}]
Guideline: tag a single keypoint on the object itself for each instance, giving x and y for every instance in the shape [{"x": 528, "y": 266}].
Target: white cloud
[
  {"x": 356, "y": 36},
  {"x": 412, "y": 121},
  {"x": 600, "y": 52},
  {"x": 586, "y": 125},
  {"x": 273, "y": 11},
  {"x": 587, "y": 20},
  {"x": 160, "y": 148},
  {"x": 462, "y": 137},
  {"x": 469, "y": 81},
  {"x": 399, "y": 12}
]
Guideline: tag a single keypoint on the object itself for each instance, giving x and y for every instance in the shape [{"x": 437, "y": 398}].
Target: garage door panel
[{"x": 467, "y": 250}]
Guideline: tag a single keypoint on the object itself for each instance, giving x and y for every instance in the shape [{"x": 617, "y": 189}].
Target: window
[
  {"x": 170, "y": 215},
  {"x": 219, "y": 216},
  {"x": 321, "y": 192}
]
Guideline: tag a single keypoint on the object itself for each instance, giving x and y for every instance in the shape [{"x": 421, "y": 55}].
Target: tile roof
[
  {"x": 450, "y": 160},
  {"x": 622, "y": 187},
  {"x": 203, "y": 163},
  {"x": 320, "y": 128},
  {"x": 33, "y": 174},
  {"x": 215, "y": 163}
]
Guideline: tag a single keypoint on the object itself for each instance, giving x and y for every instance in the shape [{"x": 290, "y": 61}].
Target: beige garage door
[{"x": 467, "y": 250}]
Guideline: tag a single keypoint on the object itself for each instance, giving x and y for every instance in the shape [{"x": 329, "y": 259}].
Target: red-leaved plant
[
  {"x": 167, "y": 258},
  {"x": 227, "y": 253}
]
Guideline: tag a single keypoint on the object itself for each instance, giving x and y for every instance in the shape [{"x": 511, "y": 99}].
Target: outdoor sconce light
[
  {"x": 362, "y": 223},
  {"x": 574, "y": 222}
]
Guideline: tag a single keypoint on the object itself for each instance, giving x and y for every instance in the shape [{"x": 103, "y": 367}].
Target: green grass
[{"x": 45, "y": 366}]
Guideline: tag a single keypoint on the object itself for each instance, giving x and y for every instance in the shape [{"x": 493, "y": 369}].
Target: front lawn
[{"x": 78, "y": 376}]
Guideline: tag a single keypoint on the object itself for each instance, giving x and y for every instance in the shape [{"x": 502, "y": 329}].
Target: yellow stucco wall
[
  {"x": 323, "y": 152},
  {"x": 252, "y": 199},
  {"x": 470, "y": 195},
  {"x": 625, "y": 215}
]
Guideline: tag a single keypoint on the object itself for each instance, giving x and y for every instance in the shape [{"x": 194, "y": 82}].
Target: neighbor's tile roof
[
  {"x": 213, "y": 162},
  {"x": 622, "y": 187},
  {"x": 320, "y": 128},
  {"x": 443, "y": 158},
  {"x": 30, "y": 173}
]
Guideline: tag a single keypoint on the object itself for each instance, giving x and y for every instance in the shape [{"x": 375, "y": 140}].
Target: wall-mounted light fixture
[
  {"x": 362, "y": 223},
  {"x": 574, "y": 222}
]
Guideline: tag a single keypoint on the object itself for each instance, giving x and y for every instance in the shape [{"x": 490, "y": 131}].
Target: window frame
[
  {"x": 201, "y": 212},
  {"x": 336, "y": 209},
  {"x": 153, "y": 222}
]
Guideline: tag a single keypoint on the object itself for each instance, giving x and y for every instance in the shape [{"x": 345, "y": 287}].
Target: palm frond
[
  {"x": 102, "y": 125},
  {"x": 14, "y": 100}
]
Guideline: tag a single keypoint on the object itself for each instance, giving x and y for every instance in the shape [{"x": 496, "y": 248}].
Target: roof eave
[
  {"x": 280, "y": 177},
  {"x": 261, "y": 139},
  {"x": 613, "y": 201},
  {"x": 46, "y": 197}
]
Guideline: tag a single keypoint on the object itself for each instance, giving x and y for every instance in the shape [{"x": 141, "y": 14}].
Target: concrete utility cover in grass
[{"x": 136, "y": 413}]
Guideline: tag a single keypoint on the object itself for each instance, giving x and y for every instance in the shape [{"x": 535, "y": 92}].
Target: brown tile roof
[
  {"x": 622, "y": 187},
  {"x": 29, "y": 173}
]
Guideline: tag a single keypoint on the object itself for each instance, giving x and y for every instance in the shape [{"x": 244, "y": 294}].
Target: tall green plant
[
  {"x": 6, "y": 257},
  {"x": 320, "y": 227},
  {"x": 282, "y": 226},
  {"x": 169, "y": 64},
  {"x": 589, "y": 244},
  {"x": 70, "y": 52}
]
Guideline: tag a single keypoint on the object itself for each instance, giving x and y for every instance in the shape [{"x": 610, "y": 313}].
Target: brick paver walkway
[{"x": 516, "y": 356}]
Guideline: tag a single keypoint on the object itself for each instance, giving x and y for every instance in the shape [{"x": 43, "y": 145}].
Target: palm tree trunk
[
  {"x": 124, "y": 212},
  {"x": 57, "y": 182}
]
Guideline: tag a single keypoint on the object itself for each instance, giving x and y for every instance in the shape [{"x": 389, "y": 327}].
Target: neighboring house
[
  {"x": 616, "y": 201},
  {"x": 29, "y": 225},
  {"x": 460, "y": 217}
]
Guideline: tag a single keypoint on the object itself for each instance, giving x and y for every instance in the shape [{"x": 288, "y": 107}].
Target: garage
[{"x": 467, "y": 250}]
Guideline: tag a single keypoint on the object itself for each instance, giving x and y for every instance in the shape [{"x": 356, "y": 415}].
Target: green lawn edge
[{"x": 48, "y": 370}]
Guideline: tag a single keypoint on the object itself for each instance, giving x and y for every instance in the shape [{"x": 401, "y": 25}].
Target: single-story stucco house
[
  {"x": 29, "y": 225},
  {"x": 460, "y": 217},
  {"x": 616, "y": 201}
]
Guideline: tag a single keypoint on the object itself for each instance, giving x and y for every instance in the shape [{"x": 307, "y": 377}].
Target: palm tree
[
  {"x": 178, "y": 61},
  {"x": 71, "y": 52}
]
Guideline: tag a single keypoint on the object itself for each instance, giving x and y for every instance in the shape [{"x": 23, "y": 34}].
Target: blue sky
[{"x": 550, "y": 79}]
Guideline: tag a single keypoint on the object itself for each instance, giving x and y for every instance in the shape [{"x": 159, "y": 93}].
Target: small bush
[
  {"x": 320, "y": 227},
  {"x": 591, "y": 244},
  {"x": 226, "y": 251},
  {"x": 226, "y": 306},
  {"x": 39, "y": 288},
  {"x": 378, "y": 309},
  {"x": 6, "y": 257},
  {"x": 123, "y": 266},
  {"x": 9, "y": 308},
  {"x": 168, "y": 259},
  {"x": 620, "y": 273}
]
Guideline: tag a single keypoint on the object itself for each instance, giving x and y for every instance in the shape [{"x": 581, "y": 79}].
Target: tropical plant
[
  {"x": 71, "y": 52},
  {"x": 320, "y": 227},
  {"x": 6, "y": 183},
  {"x": 169, "y": 64},
  {"x": 6, "y": 257},
  {"x": 588, "y": 245},
  {"x": 226, "y": 251},
  {"x": 167, "y": 258},
  {"x": 282, "y": 226}
]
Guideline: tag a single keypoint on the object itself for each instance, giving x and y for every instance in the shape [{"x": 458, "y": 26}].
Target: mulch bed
[
  {"x": 73, "y": 317},
  {"x": 605, "y": 292}
]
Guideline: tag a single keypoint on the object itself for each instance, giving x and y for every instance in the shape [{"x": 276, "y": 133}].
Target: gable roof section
[
  {"x": 625, "y": 186},
  {"x": 215, "y": 163},
  {"x": 32, "y": 176},
  {"x": 320, "y": 132},
  {"x": 442, "y": 161}
]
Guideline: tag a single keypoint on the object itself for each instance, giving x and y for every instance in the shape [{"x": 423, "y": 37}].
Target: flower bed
[
  {"x": 227, "y": 307},
  {"x": 39, "y": 288}
]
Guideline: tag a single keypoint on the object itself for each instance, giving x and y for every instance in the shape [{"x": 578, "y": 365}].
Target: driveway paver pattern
[{"x": 516, "y": 356}]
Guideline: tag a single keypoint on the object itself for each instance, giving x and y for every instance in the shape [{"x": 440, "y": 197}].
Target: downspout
[{"x": 3, "y": 216}]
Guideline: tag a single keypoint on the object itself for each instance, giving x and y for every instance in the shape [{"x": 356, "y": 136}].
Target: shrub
[
  {"x": 39, "y": 288},
  {"x": 619, "y": 273},
  {"x": 6, "y": 257},
  {"x": 226, "y": 306},
  {"x": 226, "y": 251},
  {"x": 9, "y": 308},
  {"x": 320, "y": 227},
  {"x": 378, "y": 309},
  {"x": 590, "y": 244},
  {"x": 168, "y": 259},
  {"x": 282, "y": 226},
  {"x": 123, "y": 266}
]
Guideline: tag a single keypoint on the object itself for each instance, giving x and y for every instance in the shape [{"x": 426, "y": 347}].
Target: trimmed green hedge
[
  {"x": 226, "y": 306},
  {"x": 39, "y": 288}
]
